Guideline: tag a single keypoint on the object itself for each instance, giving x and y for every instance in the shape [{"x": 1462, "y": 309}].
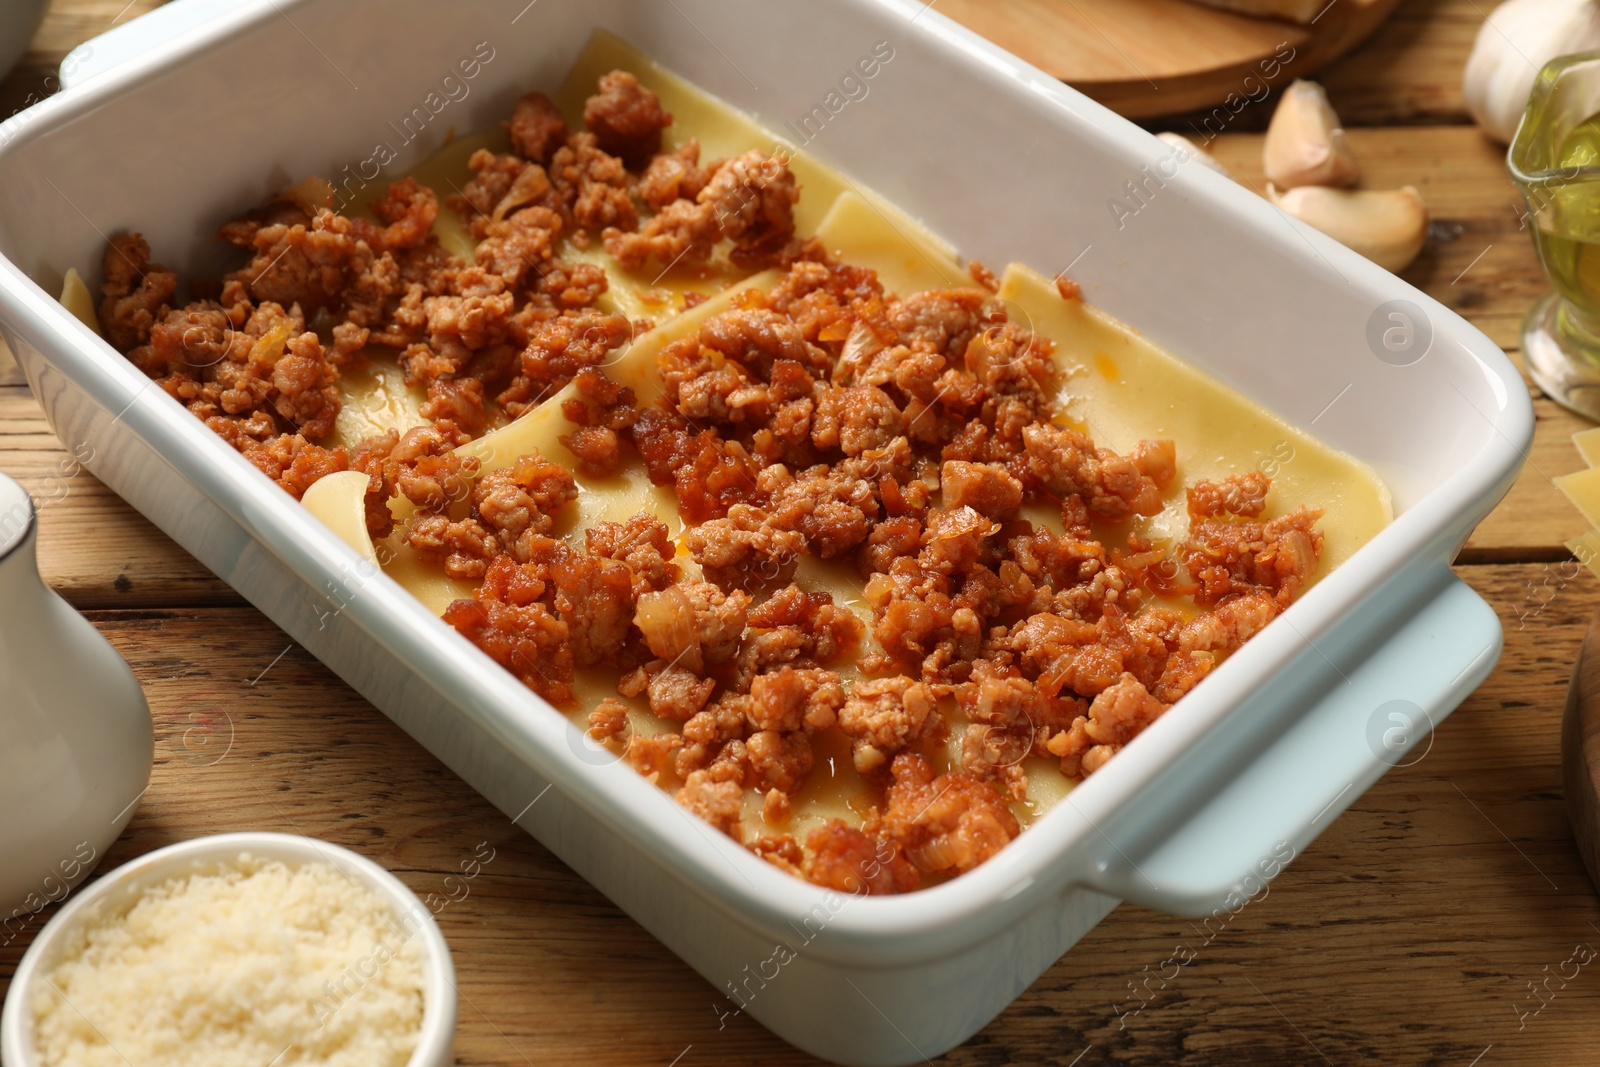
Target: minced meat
[{"x": 912, "y": 441}]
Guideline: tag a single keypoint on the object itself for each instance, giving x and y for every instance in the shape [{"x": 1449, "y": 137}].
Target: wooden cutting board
[
  {"x": 1580, "y": 751},
  {"x": 1161, "y": 57}
]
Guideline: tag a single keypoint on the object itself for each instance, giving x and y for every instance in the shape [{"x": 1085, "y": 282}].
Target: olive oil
[
  {"x": 1555, "y": 161},
  {"x": 1565, "y": 212}
]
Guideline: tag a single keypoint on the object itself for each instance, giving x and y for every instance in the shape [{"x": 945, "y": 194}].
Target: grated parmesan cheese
[{"x": 258, "y": 963}]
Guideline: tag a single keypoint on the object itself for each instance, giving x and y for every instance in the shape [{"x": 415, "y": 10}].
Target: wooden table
[{"x": 1412, "y": 932}]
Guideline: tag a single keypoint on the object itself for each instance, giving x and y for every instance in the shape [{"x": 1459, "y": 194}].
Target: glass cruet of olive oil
[{"x": 1555, "y": 160}]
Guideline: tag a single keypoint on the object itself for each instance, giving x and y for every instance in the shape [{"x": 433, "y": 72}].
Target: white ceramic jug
[{"x": 75, "y": 734}]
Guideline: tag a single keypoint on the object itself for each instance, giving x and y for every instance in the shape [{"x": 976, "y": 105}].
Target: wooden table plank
[
  {"x": 94, "y": 549},
  {"x": 1535, "y": 520},
  {"x": 1409, "y": 72}
]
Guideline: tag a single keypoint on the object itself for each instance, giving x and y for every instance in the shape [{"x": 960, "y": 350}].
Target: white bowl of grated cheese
[{"x": 246, "y": 948}]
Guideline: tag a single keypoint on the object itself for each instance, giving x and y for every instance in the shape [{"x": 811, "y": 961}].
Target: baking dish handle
[{"x": 1379, "y": 716}]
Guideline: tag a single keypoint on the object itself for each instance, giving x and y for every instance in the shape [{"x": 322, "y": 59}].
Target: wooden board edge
[{"x": 1140, "y": 98}]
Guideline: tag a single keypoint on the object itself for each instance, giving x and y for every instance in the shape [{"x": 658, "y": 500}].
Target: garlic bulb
[
  {"x": 1388, "y": 226},
  {"x": 1305, "y": 144},
  {"x": 1519, "y": 38}
]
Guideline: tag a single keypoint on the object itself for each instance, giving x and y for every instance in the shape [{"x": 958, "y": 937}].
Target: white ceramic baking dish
[{"x": 1006, "y": 163}]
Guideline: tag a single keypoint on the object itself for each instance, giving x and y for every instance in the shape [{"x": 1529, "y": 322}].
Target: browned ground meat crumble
[{"x": 903, "y": 435}]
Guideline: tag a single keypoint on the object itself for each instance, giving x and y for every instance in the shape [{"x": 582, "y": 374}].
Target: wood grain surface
[
  {"x": 1580, "y": 751},
  {"x": 1155, "y": 57},
  {"x": 1428, "y": 925}
]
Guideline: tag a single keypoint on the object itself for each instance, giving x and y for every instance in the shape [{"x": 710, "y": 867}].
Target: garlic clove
[
  {"x": 1190, "y": 150},
  {"x": 1518, "y": 38},
  {"x": 1305, "y": 143},
  {"x": 1387, "y": 226}
]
